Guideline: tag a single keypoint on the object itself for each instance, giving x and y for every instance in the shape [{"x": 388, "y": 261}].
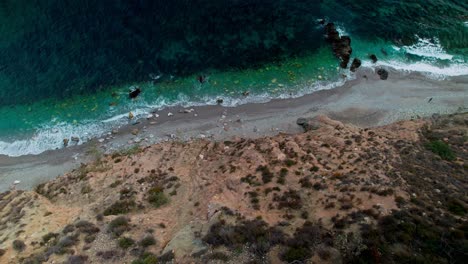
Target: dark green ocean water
[{"x": 66, "y": 66}]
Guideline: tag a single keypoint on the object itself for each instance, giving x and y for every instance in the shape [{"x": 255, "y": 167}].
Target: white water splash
[{"x": 427, "y": 48}]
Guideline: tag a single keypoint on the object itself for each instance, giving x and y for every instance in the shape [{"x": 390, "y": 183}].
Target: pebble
[
  {"x": 195, "y": 115},
  {"x": 135, "y": 131},
  {"x": 16, "y": 182},
  {"x": 152, "y": 123},
  {"x": 149, "y": 116},
  {"x": 170, "y": 114},
  {"x": 156, "y": 115},
  {"x": 201, "y": 156},
  {"x": 437, "y": 190},
  {"x": 101, "y": 140},
  {"x": 137, "y": 140}
]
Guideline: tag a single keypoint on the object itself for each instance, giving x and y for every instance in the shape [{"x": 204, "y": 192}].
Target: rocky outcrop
[
  {"x": 383, "y": 74},
  {"x": 373, "y": 58},
  {"x": 341, "y": 45},
  {"x": 355, "y": 65},
  {"x": 308, "y": 123}
]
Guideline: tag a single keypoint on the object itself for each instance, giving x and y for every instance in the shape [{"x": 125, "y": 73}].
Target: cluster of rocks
[
  {"x": 66, "y": 141},
  {"x": 341, "y": 45},
  {"x": 342, "y": 49}
]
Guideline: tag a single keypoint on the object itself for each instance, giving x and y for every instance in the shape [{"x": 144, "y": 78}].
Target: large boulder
[
  {"x": 383, "y": 74},
  {"x": 341, "y": 45},
  {"x": 308, "y": 123},
  {"x": 355, "y": 64}
]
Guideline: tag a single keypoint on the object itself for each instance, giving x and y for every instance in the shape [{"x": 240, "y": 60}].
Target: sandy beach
[{"x": 366, "y": 101}]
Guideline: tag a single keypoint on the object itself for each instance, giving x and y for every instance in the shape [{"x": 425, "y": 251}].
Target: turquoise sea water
[{"x": 88, "y": 100}]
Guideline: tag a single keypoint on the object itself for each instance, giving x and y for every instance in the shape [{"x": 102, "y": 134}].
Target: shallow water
[{"x": 65, "y": 68}]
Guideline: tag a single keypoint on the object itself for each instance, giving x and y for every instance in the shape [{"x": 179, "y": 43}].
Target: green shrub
[
  {"x": 147, "y": 241},
  {"x": 442, "y": 149},
  {"x": 218, "y": 256},
  {"x": 19, "y": 245},
  {"x": 49, "y": 236},
  {"x": 156, "y": 197},
  {"x": 87, "y": 227},
  {"x": 119, "y": 225},
  {"x": 296, "y": 254},
  {"x": 126, "y": 242},
  {"x": 120, "y": 207},
  {"x": 456, "y": 207},
  {"x": 146, "y": 258},
  {"x": 289, "y": 162}
]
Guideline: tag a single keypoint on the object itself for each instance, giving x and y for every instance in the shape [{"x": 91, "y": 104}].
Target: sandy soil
[{"x": 365, "y": 102}]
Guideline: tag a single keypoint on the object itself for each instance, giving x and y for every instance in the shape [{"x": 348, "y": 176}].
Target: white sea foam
[
  {"x": 428, "y": 48},
  {"x": 51, "y": 136}
]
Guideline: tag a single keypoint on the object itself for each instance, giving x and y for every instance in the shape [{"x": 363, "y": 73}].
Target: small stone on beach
[{"x": 170, "y": 114}]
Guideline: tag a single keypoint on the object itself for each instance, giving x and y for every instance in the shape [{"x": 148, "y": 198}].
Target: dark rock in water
[
  {"x": 356, "y": 64},
  {"x": 75, "y": 139},
  {"x": 219, "y": 101},
  {"x": 134, "y": 93},
  {"x": 308, "y": 124},
  {"x": 383, "y": 74},
  {"x": 341, "y": 45},
  {"x": 201, "y": 79},
  {"x": 321, "y": 21},
  {"x": 65, "y": 142},
  {"x": 373, "y": 58}
]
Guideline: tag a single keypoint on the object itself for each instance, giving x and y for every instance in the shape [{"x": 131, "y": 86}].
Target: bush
[
  {"x": 47, "y": 237},
  {"x": 456, "y": 207},
  {"x": 87, "y": 227},
  {"x": 296, "y": 254},
  {"x": 255, "y": 233},
  {"x": 289, "y": 199},
  {"x": 289, "y": 162},
  {"x": 19, "y": 245},
  {"x": 300, "y": 247},
  {"x": 147, "y": 241},
  {"x": 126, "y": 242},
  {"x": 156, "y": 197},
  {"x": 119, "y": 225},
  {"x": 305, "y": 182},
  {"x": 64, "y": 244},
  {"x": 146, "y": 258},
  {"x": 218, "y": 256},
  {"x": 120, "y": 207},
  {"x": 442, "y": 149},
  {"x": 267, "y": 175}
]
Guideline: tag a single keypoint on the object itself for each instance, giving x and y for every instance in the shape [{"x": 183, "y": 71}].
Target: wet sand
[{"x": 366, "y": 102}]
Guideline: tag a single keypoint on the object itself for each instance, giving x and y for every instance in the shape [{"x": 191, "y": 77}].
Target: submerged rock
[
  {"x": 383, "y": 74},
  {"x": 219, "y": 101},
  {"x": 373, "y": 58},
  {"x": 75, "y": 139},
  {"x": 355, "y": 65},
  {"x": 65, "y": 142}
]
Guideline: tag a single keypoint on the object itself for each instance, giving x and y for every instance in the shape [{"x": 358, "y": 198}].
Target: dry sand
[{"x": 366, "y": 102}]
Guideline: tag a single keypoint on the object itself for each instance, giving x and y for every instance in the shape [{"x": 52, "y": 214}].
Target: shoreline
[{"x": 364, "y": 102}]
